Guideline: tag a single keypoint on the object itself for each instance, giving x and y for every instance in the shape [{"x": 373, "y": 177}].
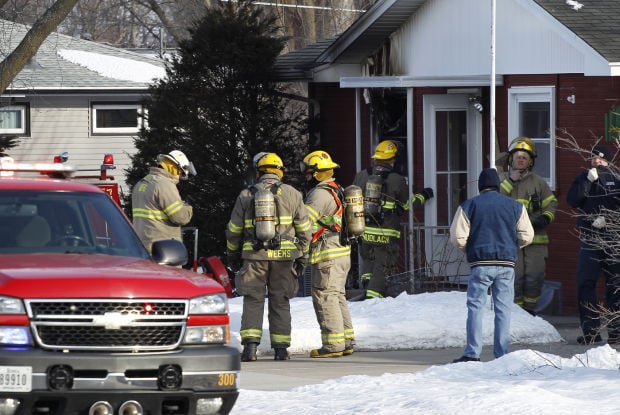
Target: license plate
[{"x": 15, "y": 378}]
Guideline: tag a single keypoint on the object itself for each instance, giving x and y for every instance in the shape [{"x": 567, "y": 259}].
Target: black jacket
[{"x": 591, "y": 199}]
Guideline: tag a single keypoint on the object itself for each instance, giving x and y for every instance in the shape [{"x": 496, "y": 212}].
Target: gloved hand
[
  {"x": 599, "y": 222},
  {"x": 540, "y": 222},
  {"x": 233, "y": 260},
  {"x": 515, "y": 175},
  {"x": 593, "y": 174},
  {"x": 428, "y": 193},
  {"x": 300, "y": 265}
]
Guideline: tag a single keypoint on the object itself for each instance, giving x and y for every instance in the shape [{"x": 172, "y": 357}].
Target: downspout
[
  {"x": 410, "y": 259},
  {"x": 358, "y": 131},
  {"x": 358, "y": 160}
]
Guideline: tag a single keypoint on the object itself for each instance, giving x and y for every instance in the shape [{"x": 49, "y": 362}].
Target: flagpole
[{"x": 492, "y": 88}]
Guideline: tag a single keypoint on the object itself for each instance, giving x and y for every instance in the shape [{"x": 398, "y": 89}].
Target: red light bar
[{"x": 108, "y": 159}]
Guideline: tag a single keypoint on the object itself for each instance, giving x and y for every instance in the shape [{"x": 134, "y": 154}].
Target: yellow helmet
[
  {"x": 318, "y": 161},
  {"x": 385, "y": 150},
  {"x": 269, "y": 163},
  {"x": 522, "y": 144}
]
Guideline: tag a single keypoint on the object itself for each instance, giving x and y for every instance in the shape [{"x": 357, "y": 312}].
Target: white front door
[{"x": 452, "y": 162}]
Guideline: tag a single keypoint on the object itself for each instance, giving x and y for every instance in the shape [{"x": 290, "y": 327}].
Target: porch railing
[{"x": 437, "y": 264}]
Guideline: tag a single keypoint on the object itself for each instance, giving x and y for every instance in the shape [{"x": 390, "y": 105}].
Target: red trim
[{"x": 14, "y": 320}]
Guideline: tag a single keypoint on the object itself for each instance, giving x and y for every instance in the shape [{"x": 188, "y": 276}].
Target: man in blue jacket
[
  {"x": 490, "y": 228},
  {"x": 595, "y": 193}
]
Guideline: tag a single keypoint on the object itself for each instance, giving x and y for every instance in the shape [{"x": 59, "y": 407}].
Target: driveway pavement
[{"x": 267, "y": 374}]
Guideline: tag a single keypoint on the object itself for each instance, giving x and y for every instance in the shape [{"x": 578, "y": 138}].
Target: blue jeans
[{"x": 501, "y": 281}]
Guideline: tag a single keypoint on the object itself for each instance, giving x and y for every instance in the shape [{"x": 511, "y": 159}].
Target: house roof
[
  {"x": 295, "y": 65},
  {"x": 597, "y": 23},
  {"x": 60, "y": 64}
]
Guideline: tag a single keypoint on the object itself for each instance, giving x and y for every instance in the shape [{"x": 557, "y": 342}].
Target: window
[
  {"x": 531, "y": 113},
  {"x": 13, "y": 119},
  {"x": 116, "y": 118},
  {"x": 451, "y": 162}
]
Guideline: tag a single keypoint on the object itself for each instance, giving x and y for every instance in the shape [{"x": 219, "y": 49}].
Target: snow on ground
[{"x": 522, "y": 382}]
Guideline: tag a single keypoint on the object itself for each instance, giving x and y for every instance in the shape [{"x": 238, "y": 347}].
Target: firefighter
[
  {"x": 386, "y": 197},
  {"x": 330, "y": 260},
  {"x": 157, "y": 208},
  {"x": 523, "y": 185},
  {"x": 269, "y": 230}
]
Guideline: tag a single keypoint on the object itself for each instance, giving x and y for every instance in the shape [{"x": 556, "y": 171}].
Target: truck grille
[{"x": 142, "y": 325}]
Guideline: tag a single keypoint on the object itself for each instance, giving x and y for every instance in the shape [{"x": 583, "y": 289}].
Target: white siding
[
  {"x": 60, "y": 124},
  {"x": 451, "y": 38}
]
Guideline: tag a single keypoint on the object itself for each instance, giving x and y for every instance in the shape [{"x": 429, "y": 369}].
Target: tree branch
[{"x": 28, "y": 47}]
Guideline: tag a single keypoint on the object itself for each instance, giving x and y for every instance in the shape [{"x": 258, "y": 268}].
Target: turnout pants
[
  {"x": 378, "y": 261},
  {"x": 530, "y": 275},
  {"x": 278, "y": 281},
  {"x": 330, "y": 303}
]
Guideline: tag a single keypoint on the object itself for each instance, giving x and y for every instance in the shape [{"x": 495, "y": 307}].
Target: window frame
[
  {"x": 24, "y": 110},
  {"x": 524, "y": 94},
  {"x": 140, "y": 122}
]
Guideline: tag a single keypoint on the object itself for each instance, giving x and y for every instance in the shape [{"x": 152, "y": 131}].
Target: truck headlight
[
  {"x": 209, "y": 304},
  {"x": 14, "y": 336},
  {"x": 10, "y": 305},
  {"x": 207, "y": 335}
]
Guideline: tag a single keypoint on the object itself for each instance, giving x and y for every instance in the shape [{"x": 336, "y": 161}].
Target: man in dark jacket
[
  {"x": 595, "y": 193},
  {"x": 490, "y": 228}
]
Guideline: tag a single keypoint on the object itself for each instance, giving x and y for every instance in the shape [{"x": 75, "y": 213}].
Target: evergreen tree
[
  {"x": 219, "y": 106},
  {"x": 7, "y": 142}
]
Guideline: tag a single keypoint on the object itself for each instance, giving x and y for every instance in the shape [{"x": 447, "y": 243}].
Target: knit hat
[
  {"x": 488, "y": 179},
  {"x": 603, "y": 152}
]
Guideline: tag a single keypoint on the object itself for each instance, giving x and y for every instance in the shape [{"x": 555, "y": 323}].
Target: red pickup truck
[{"x": 90, "y": 323}]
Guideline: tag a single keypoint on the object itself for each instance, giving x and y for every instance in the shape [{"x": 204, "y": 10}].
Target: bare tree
[{"x": 28, "y": 47}]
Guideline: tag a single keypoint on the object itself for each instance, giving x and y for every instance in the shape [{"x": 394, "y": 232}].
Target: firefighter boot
[
  {"x": 319, "y": 353},
  {"x": 280, "y": 353},
  {"x": 249, "y": 352}
]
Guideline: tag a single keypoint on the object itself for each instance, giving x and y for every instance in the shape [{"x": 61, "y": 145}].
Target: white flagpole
[{"x": 492, "y": 88}]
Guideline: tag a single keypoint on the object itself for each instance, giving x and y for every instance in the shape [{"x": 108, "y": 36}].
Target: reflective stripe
[
  {"x": 540, "y": 239},
  {"x": 231, "y": 246},
  {"x": 285, "y": 245},
  {"x": 419, "y": 197},
  {"x": 325, "y": 254},
  {"x": 280, "y": 338},
  {"x": 329, "y": 338},
  {"x": 386, "y": 204},
  {"x": 280, "y": 220},
  {"x": 349, "y": 334},
  {"x": 507, "y": 186},
  {"x": 370, "y": 230},
  {"x": 234, "y": 228},
  {"x": 302, "y": 227},
  {"x": 373, "y": 294},
  {"x": 251, "y": 334},
  {"x": 149, "y": 214},
  {"x": 174, "y": 207}
]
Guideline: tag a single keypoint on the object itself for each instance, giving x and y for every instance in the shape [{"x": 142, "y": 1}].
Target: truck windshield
[{"x": 33, "y": 221}]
